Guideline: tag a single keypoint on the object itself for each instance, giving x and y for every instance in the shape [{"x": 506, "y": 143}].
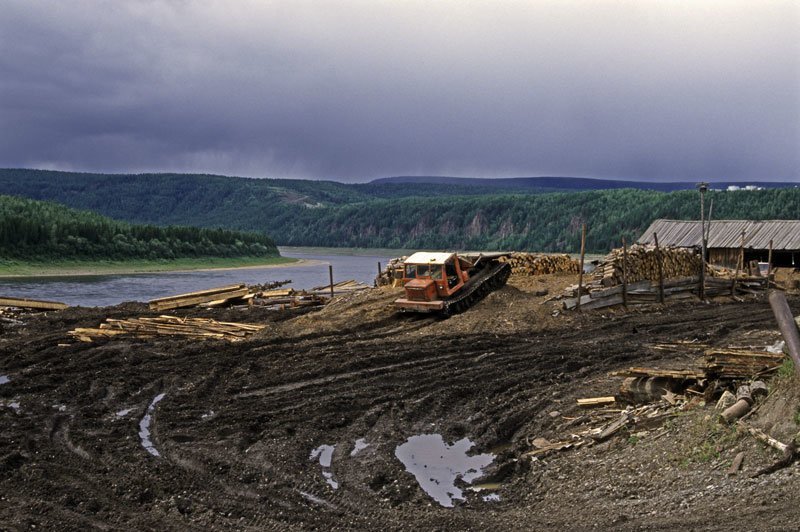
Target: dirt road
[{"x": 231, "y": 427}]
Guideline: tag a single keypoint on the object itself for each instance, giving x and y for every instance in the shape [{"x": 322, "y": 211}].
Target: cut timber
[
  {"x": 170, "y": 326},
  {"x": 31, "y": 303},
  {"x": 597, "y": 401},
  {"x": 192, "y": 299},
  {"x": 761, "y": 436},
  {"x": 656, "y": 372}
]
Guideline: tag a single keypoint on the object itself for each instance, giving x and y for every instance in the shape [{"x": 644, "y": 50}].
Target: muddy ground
[{"x": 237, "y": 422}]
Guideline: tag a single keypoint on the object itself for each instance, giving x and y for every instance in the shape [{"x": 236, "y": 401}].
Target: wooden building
[{"x": 725, "y": 239}]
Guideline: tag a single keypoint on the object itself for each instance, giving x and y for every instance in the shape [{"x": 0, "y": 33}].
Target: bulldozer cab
[{"x": 433, "y": 274}]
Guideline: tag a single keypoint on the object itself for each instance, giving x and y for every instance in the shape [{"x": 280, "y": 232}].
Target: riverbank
[{"x": 12, "y": 268}]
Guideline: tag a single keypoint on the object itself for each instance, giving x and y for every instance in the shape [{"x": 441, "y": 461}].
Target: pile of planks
[
  {"x": 540, "y": 264},
  {"x": 213, "y": 297},
  {"x": 35, "y": 304},
  {"x": 738, "y": 363},
  {"x": 342, "y": 287},
  {"x": 283, "y": 299},
  {"x": 642, "y": 264},
  {"x": 200, "y": 328}
]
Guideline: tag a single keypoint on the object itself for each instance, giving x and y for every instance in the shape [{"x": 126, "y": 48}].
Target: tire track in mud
[{"x": 275, "y": 399}]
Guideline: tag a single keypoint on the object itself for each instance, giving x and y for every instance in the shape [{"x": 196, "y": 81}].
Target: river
[{"x": 106, "y": 290}]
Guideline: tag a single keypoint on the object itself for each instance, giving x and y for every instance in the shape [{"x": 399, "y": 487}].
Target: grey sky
[{"x": 352, "y": 90}]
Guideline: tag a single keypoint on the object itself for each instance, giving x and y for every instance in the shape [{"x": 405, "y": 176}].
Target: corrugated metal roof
[{"x": 785, "y": 234}]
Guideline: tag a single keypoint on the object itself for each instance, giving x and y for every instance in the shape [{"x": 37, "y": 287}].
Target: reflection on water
[
  {"x": 437, "y": 465},
  {"x": 105, "y": 290}
]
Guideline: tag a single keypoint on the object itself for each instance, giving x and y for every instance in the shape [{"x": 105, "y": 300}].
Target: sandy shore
[{"x": 133, "y": 269}]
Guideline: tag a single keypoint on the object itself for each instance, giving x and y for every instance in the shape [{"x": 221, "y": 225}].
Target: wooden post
[
  {"x": 330, "y": 274},
  {"x": 660, "y": 270},
  {"x": 580, "y": 275},
  {"x": 787, "y": 325},
  {"x": 739, "y": 263},
  {"x": 624, "y": 273},
  {"x": 379, "y": 269},
  {"x": 769, "y": 262}
]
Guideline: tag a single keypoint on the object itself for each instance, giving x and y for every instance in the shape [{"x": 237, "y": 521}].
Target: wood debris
[
  {"x": 31, "y": 303},
  {"x": 597, "y": 401},
  {"x": 200, "y": 328},
  {"x": 342, "y": 287}
]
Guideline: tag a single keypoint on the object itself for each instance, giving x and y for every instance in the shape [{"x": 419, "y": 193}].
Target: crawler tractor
[{"x": 446, "y": 283}]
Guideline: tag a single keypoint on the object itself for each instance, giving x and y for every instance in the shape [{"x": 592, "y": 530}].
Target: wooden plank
[
  {"x": 32, "y": 303},
  {"x": 597, "y": 401},
  {"x": 175, "y": 302}
]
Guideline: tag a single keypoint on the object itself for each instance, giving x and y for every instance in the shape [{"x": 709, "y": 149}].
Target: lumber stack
[
  {"x": 342, "y": 287},
  {"x": 36, "y": 304},
  {"x": 540, "y": 264},
  {"x": 213, "y": 297},
  {"x": 200, "y": 328},
  {"x": 642, "y": 264}
]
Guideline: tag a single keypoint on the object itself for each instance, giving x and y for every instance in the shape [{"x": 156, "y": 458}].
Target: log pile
[
  {"x": 392, "y": 274},
  {"x": 199, "y": 328},
  {"x": 539, "y": 264},
  {"x": 642, "y": 264}
]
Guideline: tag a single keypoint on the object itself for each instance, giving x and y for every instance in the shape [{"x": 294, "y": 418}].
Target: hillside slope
[{"x": 390, "y": 214}]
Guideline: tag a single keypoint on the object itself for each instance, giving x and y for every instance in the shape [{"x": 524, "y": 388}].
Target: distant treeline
[
  {"x": 36, "y": 230},
  {"x": 402, "y": 215}
]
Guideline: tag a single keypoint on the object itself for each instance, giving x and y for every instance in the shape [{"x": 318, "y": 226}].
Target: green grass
[{"x": 18, "y": 268}]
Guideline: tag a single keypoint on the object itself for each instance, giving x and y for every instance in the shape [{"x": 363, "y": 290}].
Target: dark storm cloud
[{"x": 358, "y": 89}]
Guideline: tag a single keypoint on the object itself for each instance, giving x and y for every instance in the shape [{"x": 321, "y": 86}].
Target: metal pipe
[{"x": 787, "y": 325}]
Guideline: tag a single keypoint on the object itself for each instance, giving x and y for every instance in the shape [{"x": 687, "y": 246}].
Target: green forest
[
  {"x": 36, "y": 230},
  {"x": 390, "y": 215}
]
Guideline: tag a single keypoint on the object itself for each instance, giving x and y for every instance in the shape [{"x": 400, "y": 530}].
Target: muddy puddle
[
  {"x": 124, "y": 412},
  {"x": 324, "y": 453},
  {"x": 359, "y": 445},
  {"x": 437, "y": 465},
  {"x": 144, "y": 426},
  {"x": 4, "y": 379}
]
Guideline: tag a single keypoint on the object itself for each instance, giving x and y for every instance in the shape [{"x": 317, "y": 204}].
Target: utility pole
[{"x": 702, "y": 187}]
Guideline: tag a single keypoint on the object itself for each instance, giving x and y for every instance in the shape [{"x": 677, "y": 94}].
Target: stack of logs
[
  {"x": 538, "y": 264},
  {"x": 642, "y": 263},
  {"x": 199, "y": 328}
]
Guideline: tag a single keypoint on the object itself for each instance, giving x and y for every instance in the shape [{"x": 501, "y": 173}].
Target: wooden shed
[{"x": 725, "y": 238}]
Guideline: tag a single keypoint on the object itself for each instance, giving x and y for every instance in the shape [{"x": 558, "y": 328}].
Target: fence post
[
  {"x": 660, "y": 271},
  {"x": 739, "y": 263},
  {"x": 624, "y": 273},
  {"x": 330, "y": 274}
]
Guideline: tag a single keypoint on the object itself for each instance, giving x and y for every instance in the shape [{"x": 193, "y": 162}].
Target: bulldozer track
[{"x": 491, "y": 278}]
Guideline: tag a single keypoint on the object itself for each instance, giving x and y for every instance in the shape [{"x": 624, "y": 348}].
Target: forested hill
[
  {"x": 422, "y": 215},
  {"x": 36, "y": 230}
]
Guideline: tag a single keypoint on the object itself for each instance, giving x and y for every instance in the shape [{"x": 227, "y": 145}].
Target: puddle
[
  {"x": 144, "y": 426},
  {"x": 14, "y": 406},
  {"x": 207, "y": 415},
  {"x": 360, "y": 445},
  {"x": 4, "y": 379},
  {"x": 325, "y": 455},
  {"x": 437, "y": 465},
  {"x": 775, "y": 349},
  {"x": 60, "y": 408},
  {"x": 316, "y": 500},
  {"x": 124, "y": 412},
  {"x": 492, "y": 497}
]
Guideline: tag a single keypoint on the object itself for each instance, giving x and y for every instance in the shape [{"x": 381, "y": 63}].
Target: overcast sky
[{"x": 353, "y": 90}]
